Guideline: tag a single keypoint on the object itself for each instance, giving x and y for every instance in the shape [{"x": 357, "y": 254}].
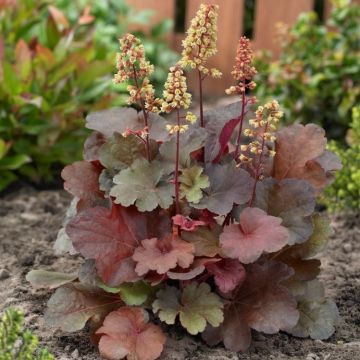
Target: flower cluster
[
  {"x": 132, "y": 65},
  {"x": 263, "y": 128},
  {"x": 243, "y": 70},
  {"x": 200, "y": 42}
]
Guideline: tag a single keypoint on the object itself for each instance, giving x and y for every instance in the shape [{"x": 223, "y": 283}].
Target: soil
[{"x": 30, "y": 220}]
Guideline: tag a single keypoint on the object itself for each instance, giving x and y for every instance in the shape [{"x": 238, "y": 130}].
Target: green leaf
[
  {"x": 191, "y": 182},
  {"x": 14, "y": 162},
  {"x": 145, "y": 184},
  {"x": 318, "y": 315},
  {"x": 6, "y": 178},
  {"x": 136, "y": 294},
  {"x": 49, "y": 279},
  {"x": 3, "y": 148},
  {"x": 11, "y": 83},
  {"x": 196, "y": 306}
]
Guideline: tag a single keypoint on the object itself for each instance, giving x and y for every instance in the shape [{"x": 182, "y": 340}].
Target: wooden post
[{"x": 270, "y": 12}]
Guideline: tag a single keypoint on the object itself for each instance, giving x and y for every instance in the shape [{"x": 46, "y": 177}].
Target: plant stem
[
  {"x": 202, "y": 124},
  {"x": 257, "y": 171},
  {"x": 242, "y": 115},
  {"x": 146, "y": 123},
  {"x": 176, "y": 180}
]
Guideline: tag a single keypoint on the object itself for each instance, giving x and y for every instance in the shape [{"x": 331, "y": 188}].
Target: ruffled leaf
[
  {"x": 72, "y": 305},
  {"x": 318, "y": 315},
  {"x": 127, "y": 333},
  {"x": 228, "y": 274},
  {"x": 82, "y": 180},
  {"x": 292, "y": 200},
  {"x": 300, "y": 153},
  {"x": 261, "y": 303},
  {"x": 145, "y": 184},
  {"x": 196, "y": 306},
  {"x": 192, "y": 181},
  {"x": 163, "y": 255},
  {"x": 228, "y": 186},
  {"x": 49, "y": 279},
  {"x": 186, "y": 223},
  {"x": 92, "y": 146},
  {"x": 256, "y": 234}
]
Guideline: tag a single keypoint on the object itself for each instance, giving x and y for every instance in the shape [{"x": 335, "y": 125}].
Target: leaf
[
  {"x": 14, "y": 162},
  {"x": 186, "y": 223},
  {"x": 72, "y": 305},
  {"x": 261, "y": 303},
  {"x": 191, "y": 182},
  {"x": 58, "y": 17},
  {"x": 163, "y": 255},
  {"x": 194, "y": 270},
  {"x": 92, "y": 146},
  {"x": 119, "y": 120},
  {"x": 23, "y": 59},
  {"x": 144, "y": 184},
  {"x": 49, "y": 279},
  {"x": 127, "y": 333},
  {"x": 136, "y": 294},
  {"x": 82, "y": 180},
  {"x": 196, "y": 306},
  {"x": 205, "y": 240},
  {"x": 292, "y": 200},
  {"x": 228, "y": 186},
  {"x": 257, "y": 233},
  {"x": 85, "y": 17},
  {"x": 110, "y": 238},
  {"x": 119, "y": 151},
  {"x": 300, "y": 153},
  {"x": 190, "y": 141},
  {"x": 318, "y": 315},
  {"x": 228, "y": 274}
]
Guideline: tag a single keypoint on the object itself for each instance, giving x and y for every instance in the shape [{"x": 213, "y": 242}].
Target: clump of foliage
[
  {"x": 55, "y": 67},
  {"x": 15, "y": 343},
  {"x": 209, "y": 223},
  {"x": 316, "y": 78},
  {"x": 344, "y": 193}
]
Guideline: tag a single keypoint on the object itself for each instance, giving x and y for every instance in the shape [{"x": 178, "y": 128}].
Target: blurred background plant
[
  {"x": 344, "y": 193},
  {"x": 17, "y": 343},
  {"x": 56, "y": 63},
  {"x": 317, "y": 76}
]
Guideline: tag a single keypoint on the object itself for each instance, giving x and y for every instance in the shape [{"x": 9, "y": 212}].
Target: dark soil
[{"x": 30, "y": 220}]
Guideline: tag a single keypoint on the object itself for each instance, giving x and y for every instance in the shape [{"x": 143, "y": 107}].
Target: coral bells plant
[{"x": 208, "y": 222}]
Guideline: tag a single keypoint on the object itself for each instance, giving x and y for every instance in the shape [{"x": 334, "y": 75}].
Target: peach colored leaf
[
  {"x": 110, "y": 238},
  {"x": 72, "y": 305},
  {"x": 186, "y": 223},
  {"x": 195, "y": 269},
  {"x": 300, "y": 153},
  {"x": 58, "y": 17},
  {"x": 127, "y": 333},
  {"x": 82, "y": 180},
  {"x": 23, "y": 59},
  {"x": 163, "y": 255},
  {"x": 85, "y": 17},
  {"x": 293, "y": 200},
  {"x": 228, "y": 186},
  {"x": 228, "y": 274},
  {"x": 257, "y": 233}
]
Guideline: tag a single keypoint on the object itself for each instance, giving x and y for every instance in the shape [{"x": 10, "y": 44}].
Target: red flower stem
[
  {"x": 202, "y": 123},
  {"x": 257, "y": 171},
  {"x": 176, "y": 180},
  {"x": 242, "y": 115},
  {"x": 147, "y": 146}
]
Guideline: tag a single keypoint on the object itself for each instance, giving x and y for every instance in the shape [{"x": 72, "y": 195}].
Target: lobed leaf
[
  {"x": 192, "y": 181},
  {"x": 73, "y": 305},
  {"x": 256, "y": 234},
  {"x": 292, "y": 200},
  {"x": 144, "y": 184},
  {"x": 127, "y": 333},
  {"x": 163, "y": 255},
  {"x": 92, "y": 146},
  {"x": 228, "y": 186},
  {"x": 318, "y": 315},
  {"x": 196, "y": 306}
]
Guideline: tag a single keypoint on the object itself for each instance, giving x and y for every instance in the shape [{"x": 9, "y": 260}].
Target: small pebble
[
  {"x": 4, "y": 274},
  {"x": 347, "y": 248},
  {"x": 75, "y": 354},
  {"x": 312, "y": 356}
]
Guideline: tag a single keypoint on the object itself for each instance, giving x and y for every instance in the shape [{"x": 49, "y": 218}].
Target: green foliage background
[{"x": 53, "y": 72}]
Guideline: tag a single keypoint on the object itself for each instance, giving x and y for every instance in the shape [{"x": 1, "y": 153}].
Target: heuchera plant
[{"x": 210, "y": 223}]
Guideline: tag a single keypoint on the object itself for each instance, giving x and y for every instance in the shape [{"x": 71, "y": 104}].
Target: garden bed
[{"x": 29, "y": 221}]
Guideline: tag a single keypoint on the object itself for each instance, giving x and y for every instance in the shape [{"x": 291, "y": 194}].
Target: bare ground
[{"x": 29, "y": 221}]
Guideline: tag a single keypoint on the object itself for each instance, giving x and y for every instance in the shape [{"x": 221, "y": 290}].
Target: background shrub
[
  {"x": 317, "y": 77},
  {"x": 56, "y": 63}
]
